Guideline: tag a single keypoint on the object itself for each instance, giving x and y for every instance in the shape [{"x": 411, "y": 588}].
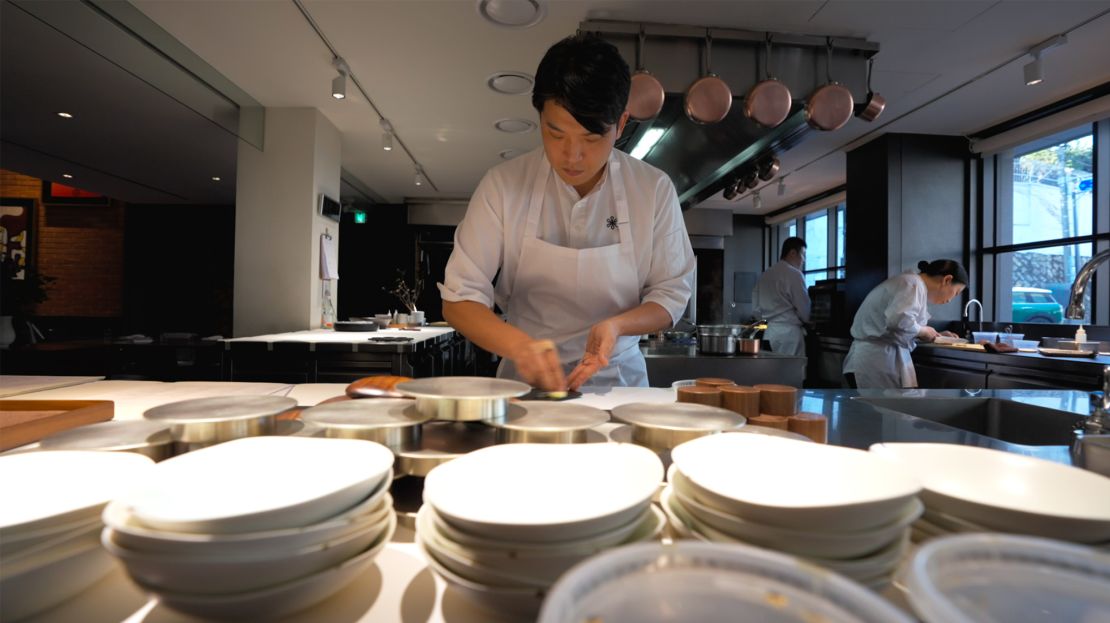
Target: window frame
[{"x": 779, "y": 233}]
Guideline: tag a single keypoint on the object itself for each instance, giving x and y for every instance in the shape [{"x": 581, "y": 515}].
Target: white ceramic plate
[
  {"x": 33, "y": 588},
  {"x": 544, "y": 492},
  {"x": 793, "y": 484},
  {"x": 259, "y": 483},
  {"x": 1007, "y": 492},
  {"x": 972, "y": 578},
  {"x": 55, "y": 488},
  {"x": 690, "y": 581}
]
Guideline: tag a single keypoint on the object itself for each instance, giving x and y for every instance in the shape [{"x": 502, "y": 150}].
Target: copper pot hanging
[
  {"x": 709, "y": 99},
  {"x": 645, "y": 99},
  {"x": 873, "y": 107},
  {"x": 831, "y": 105},
  {"x": 768, "y": 101}
]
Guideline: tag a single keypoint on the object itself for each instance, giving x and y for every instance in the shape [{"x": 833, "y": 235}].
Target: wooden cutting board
[{"x": 27, "y": 421}]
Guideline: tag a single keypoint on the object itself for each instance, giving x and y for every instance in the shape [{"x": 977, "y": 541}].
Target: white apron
[
  {"x": 559, "y": 293},
  {"x": 880, "y": 364},
  {"x": 786, "y": 339}
]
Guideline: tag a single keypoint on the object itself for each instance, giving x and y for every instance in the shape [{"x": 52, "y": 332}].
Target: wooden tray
[{"x": 27, "y": 421}]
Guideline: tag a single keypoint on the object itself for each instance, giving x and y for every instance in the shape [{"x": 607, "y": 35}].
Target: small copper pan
[
  {"x": 645, "y": 99},
  {"x": 768, "y": 101},
  {"x": 709, "y": 99},
  {"x": 873, "y": 107},
  {"x": 831, "y": 105}
]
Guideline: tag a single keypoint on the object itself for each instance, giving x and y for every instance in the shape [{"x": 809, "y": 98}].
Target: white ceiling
[{"x": 945, "y": 67}]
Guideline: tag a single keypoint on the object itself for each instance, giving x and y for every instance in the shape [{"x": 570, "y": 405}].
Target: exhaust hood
[{"x": 702, "y": 160}]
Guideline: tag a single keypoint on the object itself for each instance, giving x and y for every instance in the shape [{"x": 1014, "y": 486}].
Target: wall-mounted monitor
[{"x": 330, "y": 207}]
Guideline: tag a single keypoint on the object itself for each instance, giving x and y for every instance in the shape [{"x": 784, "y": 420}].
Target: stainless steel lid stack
[
  {"x": 150, "y": 439},
  {"x": 203, "y": 422},
  {"x": 392, "y": 422},
  {"x": 548, "y": 422}
]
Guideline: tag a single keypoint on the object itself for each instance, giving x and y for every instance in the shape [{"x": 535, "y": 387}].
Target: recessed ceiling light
[
  {"x": 65, "y": 115},
  {"x": 215, "y": 178},
  {"x": 67, "y": 176},
  {"x": 512, "y": 13},
  {"x": 510, "y": 82},
  {"x": 509, "y": 154},
  {"x": 514, "y": 126}
]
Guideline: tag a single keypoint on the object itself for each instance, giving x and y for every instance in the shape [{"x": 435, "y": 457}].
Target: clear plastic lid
[
  {"x": 691, "y": 581},
  {"x": 993, "y": 577}
]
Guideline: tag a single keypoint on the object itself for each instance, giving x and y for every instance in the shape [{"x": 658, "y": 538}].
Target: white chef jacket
[
  {"x": 780, "y": 296},
  {"x": 489, "y": 238},
  {"x": 883, "y": 333}
]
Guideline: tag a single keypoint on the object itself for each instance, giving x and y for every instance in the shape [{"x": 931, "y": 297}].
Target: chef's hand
[
  {"x": 927, "y": 334},
  {"x": 599, "y": 345},
  {"x": 537, "y": 361},
  {"x": 948, "y": 334}
]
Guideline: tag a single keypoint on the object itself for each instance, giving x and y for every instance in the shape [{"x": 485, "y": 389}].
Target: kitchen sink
[{"x": 998, "y": 418}]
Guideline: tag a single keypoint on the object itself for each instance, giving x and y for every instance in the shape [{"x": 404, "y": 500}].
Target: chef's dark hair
[
  {"x": 939, "y": 268},
  {"x": 792, "y": 243},
  {"x": 586, "y": 75}
]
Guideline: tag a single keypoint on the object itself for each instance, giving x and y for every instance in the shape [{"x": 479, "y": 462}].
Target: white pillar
[{"x": 278, "y": 223}]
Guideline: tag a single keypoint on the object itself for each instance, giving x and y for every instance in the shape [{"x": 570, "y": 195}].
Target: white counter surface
[
  {"x": 327, "y": 336},
  {"x": 14, "y": 385}
]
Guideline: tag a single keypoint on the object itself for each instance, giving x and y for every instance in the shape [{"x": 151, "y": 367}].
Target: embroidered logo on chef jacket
[{"x": 611, "y": 222}]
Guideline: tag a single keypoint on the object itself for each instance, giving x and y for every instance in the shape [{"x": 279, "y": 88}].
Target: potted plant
[{"x": 19, "y": 294}]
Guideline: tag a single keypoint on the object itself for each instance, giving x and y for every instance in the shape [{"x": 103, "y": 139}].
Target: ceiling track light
[
  {"x": 387, "y": 136},
  {"x": 1034, "y": 70},
  {"x": 782, "y": 186},
  {"x": 339, "y": 83},
  {"x": 419, "y": 179},
  {"x": 757, "y": 201}
]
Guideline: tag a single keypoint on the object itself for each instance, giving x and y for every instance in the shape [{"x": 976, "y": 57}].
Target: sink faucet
[
  {"x": 1076, "y": 308},
  {"x": 976, "y": 301}
]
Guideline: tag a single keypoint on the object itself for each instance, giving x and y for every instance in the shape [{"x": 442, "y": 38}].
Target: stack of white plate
[
  {"x": 501, "y": 524},
  {"x": 687, "y": 581},
  {"x": 986, "y": 578},
  {"x": 256, "y": 527},
  {"x": 50, "y": 505},
  {"x": 840, "y": 508},
  {"x": 972, "y": 489}
]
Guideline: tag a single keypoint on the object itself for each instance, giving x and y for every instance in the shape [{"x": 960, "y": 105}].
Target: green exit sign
[{"x": 360, "y": 217}]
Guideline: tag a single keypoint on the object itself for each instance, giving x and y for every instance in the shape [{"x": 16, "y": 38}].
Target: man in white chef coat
[
  {"x": 781, "y": 298},
  {"x": 582, "y": 246}
]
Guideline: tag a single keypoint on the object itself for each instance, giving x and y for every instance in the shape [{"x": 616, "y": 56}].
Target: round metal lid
[
  {"x": 220, "y": 409},
  {"x": 110, "y": 436},
  {"x": 463, "y": 387},
  {"x": 550, "y": 417},
  {"x": 366, "y": 413},
  {"x": 678, "y": 416}
]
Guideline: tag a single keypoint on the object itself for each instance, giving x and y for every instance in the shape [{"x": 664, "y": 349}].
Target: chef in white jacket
[
  {"x": 892, "y": 316},
  {"x": 582, "y": 246},
  {"x": 780, "y": 297}
]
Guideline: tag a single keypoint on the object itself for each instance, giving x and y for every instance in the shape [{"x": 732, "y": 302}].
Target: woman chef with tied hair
[
  {"x": 891, "y": 317},
  {"x": 582, "y": 246}
]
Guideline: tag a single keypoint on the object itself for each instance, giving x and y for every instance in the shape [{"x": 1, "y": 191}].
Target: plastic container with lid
[{"x": 973, "y": 578}]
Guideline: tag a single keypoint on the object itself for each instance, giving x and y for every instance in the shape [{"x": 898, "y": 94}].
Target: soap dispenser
[{"x": 1080, "y": 335}]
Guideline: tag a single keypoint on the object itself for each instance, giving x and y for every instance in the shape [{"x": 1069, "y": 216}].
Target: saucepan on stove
[{"x": 718, "y": 339}]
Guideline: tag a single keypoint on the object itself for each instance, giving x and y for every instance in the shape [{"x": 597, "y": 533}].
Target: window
[
  {"x": 823, "y": 231},
  {"x": 1046, "y": 225}
]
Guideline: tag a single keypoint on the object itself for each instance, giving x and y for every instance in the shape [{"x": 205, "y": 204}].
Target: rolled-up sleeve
[
  {"x": 479, "y": 248},
  {"x": 670, "y": 278}
]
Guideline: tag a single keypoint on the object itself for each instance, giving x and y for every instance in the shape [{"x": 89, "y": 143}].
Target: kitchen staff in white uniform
[
  {"x": 587, "y": 244},
  {"x": 781, "y": 298},
  {"x": 891, "y": 317}
]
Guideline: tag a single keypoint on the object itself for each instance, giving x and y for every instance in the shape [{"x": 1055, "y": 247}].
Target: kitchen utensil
[
  {"x": 27, "y": 421},
  {"x": 664, "y": 426},
  {"x": 392, "y": 422},
  {"x": 831, "y": 105},
  {"x": 709, "y": 396},
  {"x": 151, "y": 439},
  {"x": 206, "y": 421},
  {"x": 768, "y": 170},
  {"x": 1064, "y": 352},
  {"x": 645, "y": 99},
  {"x": 740, "y": 399},
  {"x": 547, "y": 422},
  {"x": 709, "y": 99},
  {"x": 875, "y": 103},
  {"x": 777, "y": 399},
  {"x": 717, "y": 339},
  {"x": 463, "y": 398},
  {"x": 748, "y": 346},
  {"x": 441, "y": 442},
  {"x": 380, "y": 386},
  {"x": 768, "y": 101}
]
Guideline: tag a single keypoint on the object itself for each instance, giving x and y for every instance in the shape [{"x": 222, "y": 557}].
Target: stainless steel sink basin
[{"x": 998, "y": 418}]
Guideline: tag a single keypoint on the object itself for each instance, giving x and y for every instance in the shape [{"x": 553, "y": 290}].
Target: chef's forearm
[
  {"x": 644, "y": 318},
  {"x": 480, "y": 325}
]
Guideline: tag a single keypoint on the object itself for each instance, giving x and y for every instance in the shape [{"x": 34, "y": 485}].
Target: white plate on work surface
[
  {"x": 27, "y": 587},
  {"x": 45, "y": 489},
  {"x": 276, "y": 601},
  {"x": 815, "y": 542},
  {"x": 793, "y": 484},
  {"x": 544, "y": 492},
  {"x": 259, "y": 483},
  {"x": 980, "y": 578},
  {"x": 1007, "y": 492},
  {"x": 691, "y": 581}
]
